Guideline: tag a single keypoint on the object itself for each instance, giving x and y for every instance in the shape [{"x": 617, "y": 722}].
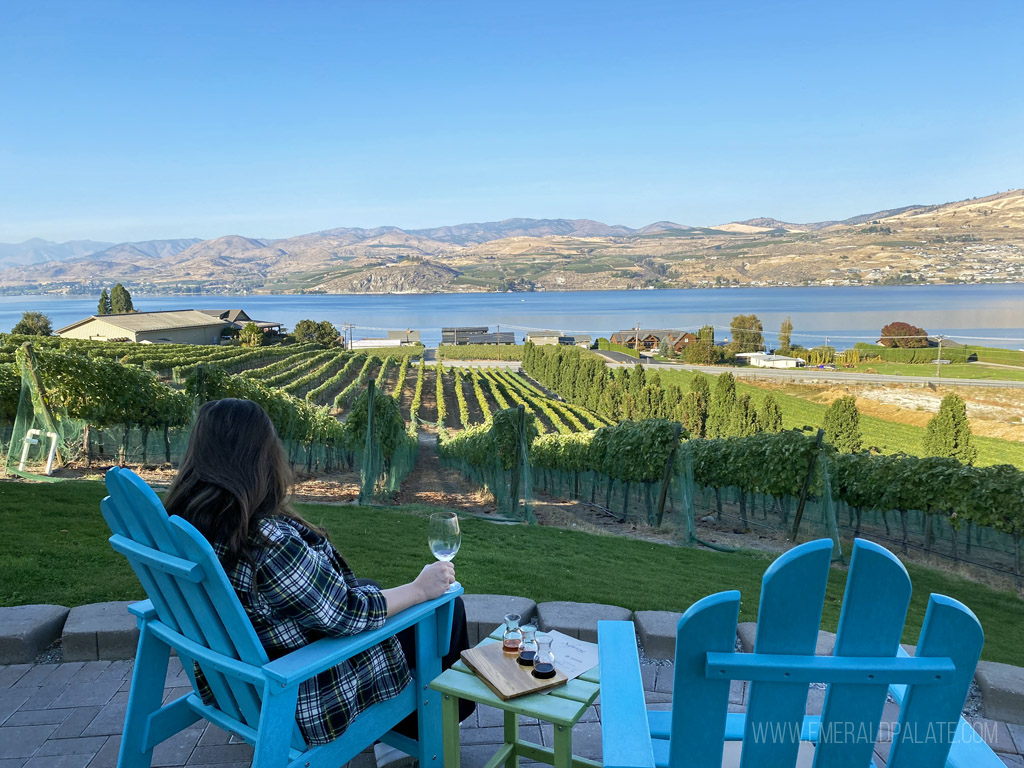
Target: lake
[{"x": 989, "y": 315}]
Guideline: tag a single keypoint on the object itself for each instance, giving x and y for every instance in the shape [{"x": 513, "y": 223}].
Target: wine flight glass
[{"x": 444, "y": 537}]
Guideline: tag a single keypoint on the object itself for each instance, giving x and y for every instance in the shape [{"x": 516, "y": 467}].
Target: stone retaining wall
[{"x": 106, "y": 631}]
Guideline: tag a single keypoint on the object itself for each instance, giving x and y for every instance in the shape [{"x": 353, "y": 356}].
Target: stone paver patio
[{"x": 70, "y": 715}]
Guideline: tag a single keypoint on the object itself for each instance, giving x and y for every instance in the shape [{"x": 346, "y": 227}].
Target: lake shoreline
[
  {"x": 820, "y": 286},
  {"x": 990, "y": 314}
]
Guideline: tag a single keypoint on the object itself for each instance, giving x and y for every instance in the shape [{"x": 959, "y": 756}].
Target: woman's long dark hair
[{"x": 234, "y": 473}]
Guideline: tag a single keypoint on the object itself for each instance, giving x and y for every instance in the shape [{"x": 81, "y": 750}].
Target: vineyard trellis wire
[
  {"x": 99, "y": 409},
  {"x": 496, "y": 455}
]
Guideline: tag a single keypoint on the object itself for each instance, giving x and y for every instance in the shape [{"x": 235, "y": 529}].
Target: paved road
[{"x": 616, "y": 357}]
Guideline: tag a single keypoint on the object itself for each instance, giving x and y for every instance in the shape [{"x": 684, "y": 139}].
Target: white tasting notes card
[{"x": 572, "y": 657}]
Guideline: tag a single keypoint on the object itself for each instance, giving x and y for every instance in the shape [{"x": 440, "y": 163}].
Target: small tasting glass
[
  {"x": 529, "y": 649},
  {"x": 512, "y": 638},
  {"x": 544, "y": 664}
]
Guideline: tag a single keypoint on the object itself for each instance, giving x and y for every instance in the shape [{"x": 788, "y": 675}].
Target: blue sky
[{"x": 140, "y": 120}]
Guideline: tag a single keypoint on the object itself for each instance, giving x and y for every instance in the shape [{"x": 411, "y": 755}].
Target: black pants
[{"x": 460, "y": 642}]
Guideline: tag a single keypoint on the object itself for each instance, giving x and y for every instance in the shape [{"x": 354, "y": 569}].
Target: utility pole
[
  {"x": 499, "y": 342},
  {"x": 938, "y": 362}
]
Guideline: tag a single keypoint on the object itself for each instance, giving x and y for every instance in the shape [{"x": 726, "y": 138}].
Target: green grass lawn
[
  {"x": 948, "y": 371},
  {"x": 887, "y": 436},
  {"x": 55, "y": 551}
]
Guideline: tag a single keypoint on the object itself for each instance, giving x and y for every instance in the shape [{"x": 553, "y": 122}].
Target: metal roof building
[
  {"x": 557, "y": 337},
  {"x": 461, "y": 335},
  {"x": 176, "y": 326}
]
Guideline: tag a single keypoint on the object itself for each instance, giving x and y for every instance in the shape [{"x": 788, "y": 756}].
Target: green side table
[{"x": 563, "y": 708}]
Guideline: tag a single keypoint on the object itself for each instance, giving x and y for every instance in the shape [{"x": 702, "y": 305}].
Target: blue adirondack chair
[
  {"x": 193, "y": 609},
  {"x": 867, "y": 664}
]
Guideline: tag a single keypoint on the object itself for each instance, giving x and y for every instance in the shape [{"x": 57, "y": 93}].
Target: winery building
[
  {"x": 175, "y": 326},
  {"x": 475, "y": 335}
]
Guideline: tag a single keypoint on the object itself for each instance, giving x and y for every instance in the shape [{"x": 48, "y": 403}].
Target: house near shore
[
  {"x": 557, "y": 337},
  {"x": 405, "y": 337},
  {"x": 650, "y": 339},
  {"x": 376, "y": 343},
  {"x": 237, "y": 318},
  {"x": 505, "y": 337},
  {"x": 475, "y": 335},
  {"x": 764, "y": 360},
  {"x": 172, "y": 326},
  {"x": 930, "y": 341}
]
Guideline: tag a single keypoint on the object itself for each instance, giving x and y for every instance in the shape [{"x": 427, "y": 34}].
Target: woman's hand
[
  {"x": 432, "y": 582},
  {"x": 435, "y": 579}
]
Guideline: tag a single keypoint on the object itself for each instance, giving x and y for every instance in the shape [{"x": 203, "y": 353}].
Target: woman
[{"x": 232, "y": 485}]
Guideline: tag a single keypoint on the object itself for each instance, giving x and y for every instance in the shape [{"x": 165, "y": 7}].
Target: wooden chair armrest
[
  {"x": 310, "y": 660},
  {"x": 625, "y": 731}
]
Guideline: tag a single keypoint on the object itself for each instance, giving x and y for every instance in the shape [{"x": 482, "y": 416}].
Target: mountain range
[{"x": 976, "y": 239}]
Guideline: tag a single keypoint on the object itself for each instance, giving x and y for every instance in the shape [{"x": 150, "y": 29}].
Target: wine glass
[{"x": 444, "y": 537}]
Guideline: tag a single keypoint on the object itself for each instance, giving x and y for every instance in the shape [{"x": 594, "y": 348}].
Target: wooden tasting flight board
[{"x": 504, "y": 674}]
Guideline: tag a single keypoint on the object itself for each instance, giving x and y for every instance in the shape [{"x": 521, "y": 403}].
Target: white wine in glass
[{"x": 444, "y": 535}]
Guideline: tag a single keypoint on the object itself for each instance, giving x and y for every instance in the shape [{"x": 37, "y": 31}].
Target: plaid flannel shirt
[{"x": 301, "y": 590}]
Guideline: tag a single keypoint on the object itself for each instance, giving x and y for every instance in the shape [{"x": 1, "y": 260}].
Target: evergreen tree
[
  {"x": 700, "y": 384},
  {"x": 842, "y": 425},
  {"x": 599, "y": 381},
  {"x": 672, "y": 398},
  {"x": 693, "y": 413},
  {"x": 638, "y": 380},
  {"x": 326, "y": 333},
  {"x": 611, "y": 401},
  {"x": 707, "y": 333},
  {"x": 785, "y": 336},
  {"x": 701, "y": 352},
  {"x": 120, "y": 300},
  {"x": 104, "y": 305},
  {"x": 625, "y": 379},
  {"x": 305, "y": 330},
  {"x": 33, "y": 324},
  {"x": 654, "y": 402},
  {"x": 743, "y": 419},
  {"x": 692, "y": 410},
  {"x": 949, "y": 433},
  {"x": 627, "y": 406},
  {"x": 720, "y": 408},
  {"x": 769, "y": 416}
]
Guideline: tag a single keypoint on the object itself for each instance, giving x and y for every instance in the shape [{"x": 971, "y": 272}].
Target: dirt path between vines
[
  {"x": 432, "y": 483},
  {"x": 437, "y": 485}
]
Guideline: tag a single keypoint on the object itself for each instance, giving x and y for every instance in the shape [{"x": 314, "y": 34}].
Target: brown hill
[{"x": 970, "y": 240}]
